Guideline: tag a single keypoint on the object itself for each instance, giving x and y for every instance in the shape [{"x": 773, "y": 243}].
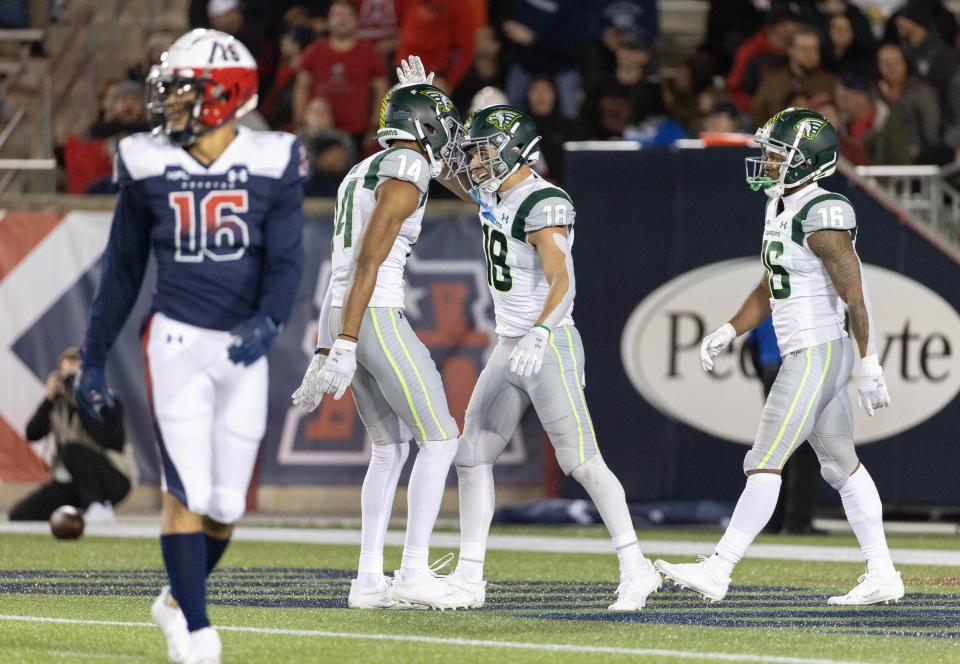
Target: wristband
[
  {"x": 543, "y": 327},
  {"x": 348, "y": 336}
]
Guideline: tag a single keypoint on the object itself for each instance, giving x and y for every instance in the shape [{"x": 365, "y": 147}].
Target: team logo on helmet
[
  {"x": 502, "y": 119},
  {"x": 809, "y": 127},
  {"x": 441, "y": 100}
]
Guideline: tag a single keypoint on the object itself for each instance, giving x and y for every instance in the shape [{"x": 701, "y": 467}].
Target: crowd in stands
[{"x": 596, "y": 70}]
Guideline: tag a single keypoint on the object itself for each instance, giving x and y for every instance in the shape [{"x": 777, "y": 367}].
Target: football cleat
[
  {"x": 478, "y": 589},
  {"x": 204, "y": 647},
  {"x": 872, "y": 588},
  {"x": 700, "y": 577},
  {"x": 379, "y": 597},
  {"x": 634, "y": 589},
  {"x": 428, "y": 590},
  {"x": 173, "y": 624}
]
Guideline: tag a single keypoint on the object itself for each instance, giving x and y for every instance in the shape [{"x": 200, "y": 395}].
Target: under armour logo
[
  {"x": 235, "y": 175},
  {"x": 171, "y": 338}
]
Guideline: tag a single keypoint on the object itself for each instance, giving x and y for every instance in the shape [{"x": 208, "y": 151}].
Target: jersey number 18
[{"x": 495, "y": 251}]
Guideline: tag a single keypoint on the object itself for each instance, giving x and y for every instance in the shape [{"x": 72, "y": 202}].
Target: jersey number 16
[{"x": 208, "y": 231}]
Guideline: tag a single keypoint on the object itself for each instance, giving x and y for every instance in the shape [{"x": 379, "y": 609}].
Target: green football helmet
[
  {"x": 424, "y": 114},
  {"x": 807, "y": 144},
  {"x": 498, "y": 140}
]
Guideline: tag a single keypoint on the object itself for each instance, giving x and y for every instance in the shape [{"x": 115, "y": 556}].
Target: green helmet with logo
[
  {"x": 805, "y": 140},
  {"x": 505, "y": 139},
  {"x": 424, "y": 114}
]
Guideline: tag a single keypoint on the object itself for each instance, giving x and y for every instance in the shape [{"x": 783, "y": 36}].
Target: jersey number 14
[{"x": 208, "y": 231}]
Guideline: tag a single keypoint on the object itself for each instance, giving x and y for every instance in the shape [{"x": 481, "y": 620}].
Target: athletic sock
[
  {"x": 607, "y": 494},
  {"x": 424, "y": 494},
  {"x": 185, "y": 557},
  {"x": 477, "y": 501},
  {"x": 215, "y": 549},
  {"x": 376, "y": 505},
  {"x": 753, "y": 511},
  {"x": 864, "y": 511}
]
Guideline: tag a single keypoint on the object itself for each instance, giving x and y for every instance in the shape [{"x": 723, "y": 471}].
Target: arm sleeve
[
  {"x": 122, "y": 268},
  {"x": 834, "y": 213},
  {"x": 109, "y": 433},
  {"x": 546, "y": 208},
  {"x": 283, "y": 239},
  {"x": 39, "y": 424},
  {"x": 872, "y": 336},
  {"x": 407, "y": 165},
  {"x": 324, "y": 340}
]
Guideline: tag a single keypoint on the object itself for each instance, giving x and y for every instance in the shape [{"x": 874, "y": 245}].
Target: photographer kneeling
[{"x": 89, "y": 470}]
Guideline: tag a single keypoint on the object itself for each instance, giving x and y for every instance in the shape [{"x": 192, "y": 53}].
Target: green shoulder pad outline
[
  {"x": 373, "y": 173},
  {"x": 520, "y": 220},
  {"x": 796, "y": 231}
]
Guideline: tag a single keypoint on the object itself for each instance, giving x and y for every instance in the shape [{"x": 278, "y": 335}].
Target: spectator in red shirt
[
  {"x": 766, "y": 49},
  {"x": 440, "y": 32},
  {"x": 348, "y": 73},
  {"x": 378, "y": 25},
  {"x": 277, "y": 107}
]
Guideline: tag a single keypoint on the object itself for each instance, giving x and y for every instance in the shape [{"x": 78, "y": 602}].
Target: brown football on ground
[{"x": 66, "y": 522}]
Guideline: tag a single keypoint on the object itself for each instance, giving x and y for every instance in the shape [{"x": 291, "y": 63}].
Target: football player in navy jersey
[{"x": 221, "y": 208}]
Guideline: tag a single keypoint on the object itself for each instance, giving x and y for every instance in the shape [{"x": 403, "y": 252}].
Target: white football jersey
[
  {"x": 806, "y": 308},
  {"x": 514, "y": 270},
  {"x": 355, "y": 202}
]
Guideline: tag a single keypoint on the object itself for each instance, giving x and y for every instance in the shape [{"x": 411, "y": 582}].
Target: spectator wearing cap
[
  {"x": 608, "y": 23},
  {"x": 932, "y": 59},
  {"x": 486, "y": 70},
  {"x": 765, "y": 50},
  {"x": 914, "y": 101},
  {"x": 277, "y": 106},
  {"x": 441, "y": 32},
  {"x": 937, "y": 16},
  {"x": 627, "y": 96},
  {"x": 553, "y": 128},
  {"x": 345, "y": 71},
  {"x": 803, "y": 74},
  {"x": 227, "y": 16},
  {"x": 870, "y": 133},
  {"x": 545, "y": 38}
]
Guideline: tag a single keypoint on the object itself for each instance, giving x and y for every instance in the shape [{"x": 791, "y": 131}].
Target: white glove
[
  {"x": 714, "y": 343},
  {"x": 872, "y": 387},
  {"x": 527, "y": 357},
  {"x": 338, "y": 370},
  {"x": 308, "y": 395},
  {"x": 411, "y": 72}
]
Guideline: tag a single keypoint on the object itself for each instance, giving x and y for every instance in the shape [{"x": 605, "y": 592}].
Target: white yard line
[
  {"x": 473, "y": 643},
  {"x": 532, "y": 543}
]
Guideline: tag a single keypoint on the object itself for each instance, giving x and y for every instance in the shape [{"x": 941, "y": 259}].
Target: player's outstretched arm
[
  {"x": 753, "y": 311},
  {"x": 836, "y": 251},
  {"x": 396, "y": 201},
  {"x": 553, "y": 246}
]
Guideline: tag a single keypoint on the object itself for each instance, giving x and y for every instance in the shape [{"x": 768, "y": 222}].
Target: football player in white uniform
[
  {"x": 395, "y": 383},
  {"x": 220, "y": 207},
  {"x": 527, "y": 226},
  {"x": 812, "y": 274}
]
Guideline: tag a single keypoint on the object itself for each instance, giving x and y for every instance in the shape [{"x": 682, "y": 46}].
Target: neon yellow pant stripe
[
  {"x": 786, "y": 420},
  {"x": 813, "y": 399},
  {"x": 566, "y": 389},
  {"x": 396, "y": 370},
  {"x": 416, "y": 372},
  {"x": 583, "y": 397}
]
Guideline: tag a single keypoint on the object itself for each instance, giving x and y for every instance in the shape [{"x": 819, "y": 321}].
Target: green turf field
[{"x": 281, "y": 602}]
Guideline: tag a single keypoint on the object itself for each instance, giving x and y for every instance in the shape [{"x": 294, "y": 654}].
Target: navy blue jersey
[{"x": 227, "y": 238}]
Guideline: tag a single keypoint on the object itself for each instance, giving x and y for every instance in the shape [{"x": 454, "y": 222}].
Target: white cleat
[
  {"x": 872, "y": 588},
  {"x": 379, "y": 597},
  {"x": 204, "y": 647},
  {"x": 430, "y": 591},
  {"x": 699, "y": 577},
  {"x": 634, "y": 589},
  {"x": 169, "y": 618},
  {"x": 99, "y": 513},
  {"x": 477, "y": 589}
]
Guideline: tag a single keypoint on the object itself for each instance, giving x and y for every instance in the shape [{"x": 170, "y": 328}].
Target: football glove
[
  {"x": 308, "y": 395},
  {"x": 527, "y": 356},
  {"x": 411, "y": 71},
  {"x": 338, "y": 370},
  {"x": 251, "y": 339},
  {"x": 715, "y": 343},
  {"x": 872, "y": 387},
  {"x": 91, "y": 392}
]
